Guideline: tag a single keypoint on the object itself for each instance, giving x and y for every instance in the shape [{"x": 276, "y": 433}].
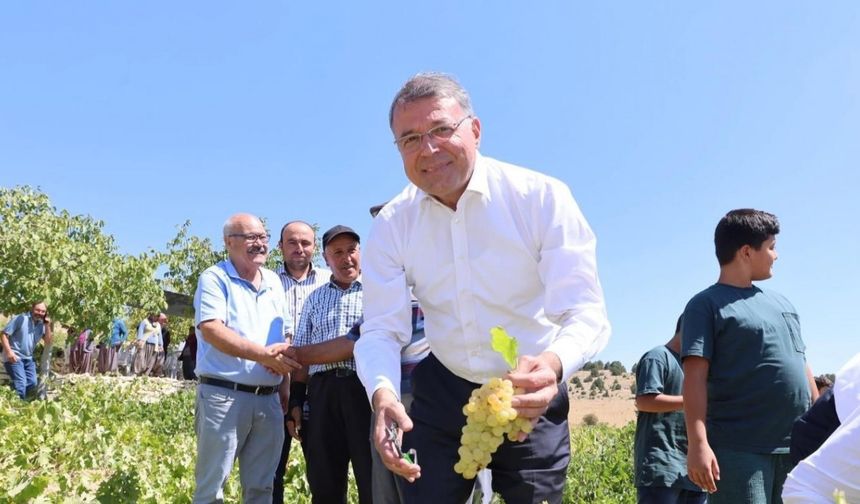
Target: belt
[
  {"x": 337, "y": 372},
  {"x": 253, "y": 389}
]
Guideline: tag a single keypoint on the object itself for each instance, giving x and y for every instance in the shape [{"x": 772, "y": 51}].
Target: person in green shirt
[
  {"x": 660, "y": 444},
  {"x": 745, "y": 374}
]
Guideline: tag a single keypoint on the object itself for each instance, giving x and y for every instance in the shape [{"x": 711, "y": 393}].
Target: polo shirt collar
[{"x": 232, "y": 273}]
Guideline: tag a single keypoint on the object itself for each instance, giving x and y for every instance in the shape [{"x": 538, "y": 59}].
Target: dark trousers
[
  {"x": 533, "y": 471},
  {"x": 281, "y": 470},
  {"x": 663, "y": 495},
  {"x": 337, "y": 435}
]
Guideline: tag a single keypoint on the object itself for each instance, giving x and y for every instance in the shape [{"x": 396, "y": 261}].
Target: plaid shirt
[
  {"x": 297, "y": 291},
  {"x": 329, "y": 312}
]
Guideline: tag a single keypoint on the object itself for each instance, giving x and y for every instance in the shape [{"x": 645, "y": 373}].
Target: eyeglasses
[
  {"x": 251, "y": 237},
  {"x": 412, "y": 142}
]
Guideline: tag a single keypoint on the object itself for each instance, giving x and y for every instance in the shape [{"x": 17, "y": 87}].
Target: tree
[
  {"x": 70, "y": 263},
  {"x": 186, "y": 257},
  {"x": 616, "y": 368}
]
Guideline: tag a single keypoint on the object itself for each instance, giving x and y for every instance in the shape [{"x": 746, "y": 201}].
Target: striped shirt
[
  {"x": 329, "y": 312},
  {"x": 297, "y": 291}
]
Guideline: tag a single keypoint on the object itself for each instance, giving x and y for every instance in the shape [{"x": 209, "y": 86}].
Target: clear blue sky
[{"x": 660, "y": 116}]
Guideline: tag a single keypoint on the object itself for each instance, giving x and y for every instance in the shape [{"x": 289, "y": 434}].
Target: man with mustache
[
  {"x": 242, "y": 327},
  {"x": 339, "y": 420},
  {"x": 19, "y": 339}
]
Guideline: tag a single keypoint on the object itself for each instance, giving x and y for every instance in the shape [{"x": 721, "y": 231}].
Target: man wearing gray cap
[{"x": 335, "y": 433}]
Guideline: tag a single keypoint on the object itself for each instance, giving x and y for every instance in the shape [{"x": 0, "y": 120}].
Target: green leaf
[{"x": 505, "y": 344}]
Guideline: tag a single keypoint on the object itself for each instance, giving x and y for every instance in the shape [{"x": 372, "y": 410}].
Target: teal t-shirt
[
  {"x": 660, "y": 445},
  {"x": 757, "y": 383}
]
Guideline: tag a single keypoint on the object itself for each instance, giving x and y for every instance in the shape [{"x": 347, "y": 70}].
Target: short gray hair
[{"x": 431, "y": 85}]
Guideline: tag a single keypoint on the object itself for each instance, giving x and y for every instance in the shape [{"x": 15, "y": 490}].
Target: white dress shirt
[
  {"x": 836, "y": 463},
  {"x": 516, "y": 253}
]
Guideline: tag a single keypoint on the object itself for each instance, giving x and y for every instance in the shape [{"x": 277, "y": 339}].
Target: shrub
[
  {"x": 616, "y": 368},
  {"x": 601, "y": 465},
  {"x": 590, "y": 419}
]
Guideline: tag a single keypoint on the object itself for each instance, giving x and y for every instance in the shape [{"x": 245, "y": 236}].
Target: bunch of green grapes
[{"x": 489, "y": 417}]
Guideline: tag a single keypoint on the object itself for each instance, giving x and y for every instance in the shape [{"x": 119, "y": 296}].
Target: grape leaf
[{"x": 505, "y": 344}]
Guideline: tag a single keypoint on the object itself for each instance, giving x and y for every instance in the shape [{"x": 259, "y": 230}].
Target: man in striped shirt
[
  {"x": 336, "y": 431},
  {"x": 299, "y": 278}
]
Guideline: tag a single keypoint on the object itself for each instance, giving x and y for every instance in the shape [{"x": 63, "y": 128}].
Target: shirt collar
[
  {"x": 333, "y": 285},
  {"x": 283, "y": 271},
  {"x": 232, "y": 273}
]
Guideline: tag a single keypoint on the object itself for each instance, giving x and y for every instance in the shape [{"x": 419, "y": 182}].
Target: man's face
[
  {"x": 244, "y": 252},
  {"x": 761, "y": 260},
  {"x": 297, "y": 246},
  {"x": 39, "y": 311},
  {"x": 343, "y": 257},
  {"x": 162, "y": 319},
  {"x": 441, "y": 168}
]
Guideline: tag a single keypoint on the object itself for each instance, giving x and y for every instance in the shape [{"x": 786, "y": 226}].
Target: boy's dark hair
[
  {"x": 744, "y": 226},
  {"x": 678, "y": 324}
]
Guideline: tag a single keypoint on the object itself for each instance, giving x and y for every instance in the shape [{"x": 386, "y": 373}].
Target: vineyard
[{"x": 104, "y": 439}]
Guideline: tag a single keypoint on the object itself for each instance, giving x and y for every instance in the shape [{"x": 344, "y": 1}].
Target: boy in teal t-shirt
[
  {"x": 745, "y": 374},
  {"x": 660, "y": 445}
]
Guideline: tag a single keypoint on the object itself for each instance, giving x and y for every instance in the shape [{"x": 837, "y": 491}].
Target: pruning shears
[{"x": 393, "y": 432}]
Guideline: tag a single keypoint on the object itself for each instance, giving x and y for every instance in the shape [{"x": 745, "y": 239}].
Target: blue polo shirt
[
  {"x": 119, "y": 333},
  {"x": 259, "y": 315},
  {"x": 23, "y": 333}
]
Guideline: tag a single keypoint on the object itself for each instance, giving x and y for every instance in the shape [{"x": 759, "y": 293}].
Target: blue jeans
[
  {"x": 750, "y": 478},
  {"x": 22, "y": 374},
  {"x": 664, "y": 495}
]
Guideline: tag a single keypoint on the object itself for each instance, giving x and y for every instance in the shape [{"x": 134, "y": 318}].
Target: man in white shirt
[
  {"x": 835, "y": 465},
  {"x": 480, "y": 243}
]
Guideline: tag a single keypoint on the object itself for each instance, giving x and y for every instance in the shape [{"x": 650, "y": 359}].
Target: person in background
[
  {"x": 339, "y": 418},
  {"x": 823, "y": 383},
  {"x": 160, "y": 367},
  {"x": 299, "y": 277},
  {"x": 19, "y": 339},
  {"x": 189, "y": 355},
  {"x": 110, "y": 348},
  {"x": 148, "y": 345},
  {"x": 660, "y": 444},
  {"x": 746, "y": 379}
]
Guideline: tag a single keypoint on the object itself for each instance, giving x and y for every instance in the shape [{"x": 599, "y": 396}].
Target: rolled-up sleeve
[
  {"x": 387, "y": 325},
  {"x": 568, "y": 268}
]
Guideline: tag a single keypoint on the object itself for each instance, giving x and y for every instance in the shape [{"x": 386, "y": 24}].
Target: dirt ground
[{"x": 617, "y": 409}]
